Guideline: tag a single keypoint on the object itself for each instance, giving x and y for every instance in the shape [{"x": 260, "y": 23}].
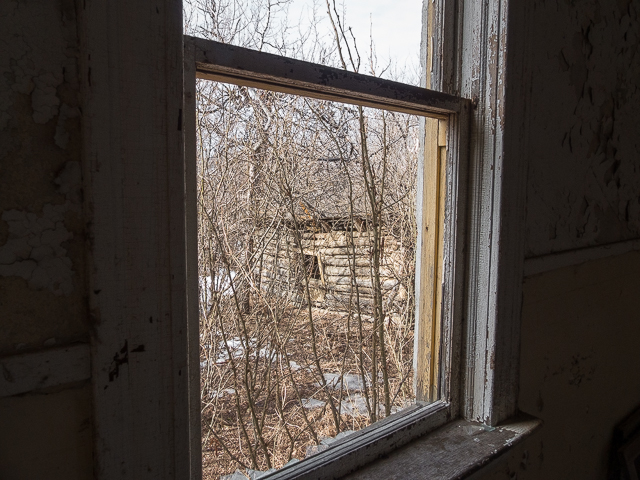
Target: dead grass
[{"x": 253, "y": 394}]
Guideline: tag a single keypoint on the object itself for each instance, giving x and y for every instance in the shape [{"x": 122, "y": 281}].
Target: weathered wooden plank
[
  {"x": 359, "y": 251},
  {"x": 46, "y": 368},
  {"x": 346, "y": 261},
  {"x": 345, "y": 291},
  {"x": 427, "y": 338},
  {"x": 280, "y": 274},
  {"x": 364, "y": 238},
  {"x": 365, "y": 272},
  {"x": 269, "y": 262},
  {"x": 281, "y": 278},
  {"x": 231, "y": 64},
  {"x": 360, "y": 448},
  {"x": 364, "y": 282},
  {"x": 314, "y": 244},
  {"x": 456, "y": 450},
  {"x": 131, "y": 69}
]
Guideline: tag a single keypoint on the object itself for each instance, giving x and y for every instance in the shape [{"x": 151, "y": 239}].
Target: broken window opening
[
  {"x": 312, "y": 266},
  {"x": 299, "y": 220}
]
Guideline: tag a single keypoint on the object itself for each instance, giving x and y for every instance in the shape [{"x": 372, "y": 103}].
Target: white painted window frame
[
  {"x": 142, "y": 263},
  {"x": 465, "y": 45},
  {"x": 210, "y": 60}
]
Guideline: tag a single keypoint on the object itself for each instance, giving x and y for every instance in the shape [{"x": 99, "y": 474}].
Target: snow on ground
[
  {"x": 346, "y": 382},
  {"x": 311, "y": 403},
  {"x": 236, "y": 348}
]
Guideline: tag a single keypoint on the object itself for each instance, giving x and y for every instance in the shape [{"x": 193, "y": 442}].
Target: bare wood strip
[{"x": 426, "y": 346}]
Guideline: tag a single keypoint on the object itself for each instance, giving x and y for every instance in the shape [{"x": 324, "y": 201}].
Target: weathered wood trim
[
  {"x": 472, "y": 37},
  {"x": 553, "y": 261},
  {"x": 496, "y": 259},
  {"x": 242, "y": 66},
  {"x": 46, "y": 368},
  {"x": 454, "y": 258},
  {"x": 363, "y": 447},
  {"x": 133, "y": 173},
  {"x": 460, "y": 449},
  {"x": 191, "y": 218}
]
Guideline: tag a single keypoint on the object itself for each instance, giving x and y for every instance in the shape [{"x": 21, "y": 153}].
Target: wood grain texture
[
  {"x": 131, "y": 70},
  {"x": 454, "y": 451},
  {"x": 429, "y": 288},
  {"x": 231, "y": 64},
  {"x": 47, "y": 368},
  {"x": 478, "y": 47}
]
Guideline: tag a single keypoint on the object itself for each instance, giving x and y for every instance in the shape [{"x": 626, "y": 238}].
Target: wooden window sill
[{"x": 454, "y": 451}]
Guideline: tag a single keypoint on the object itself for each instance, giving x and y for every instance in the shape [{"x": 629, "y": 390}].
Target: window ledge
[{"x": 454, "y": 451}]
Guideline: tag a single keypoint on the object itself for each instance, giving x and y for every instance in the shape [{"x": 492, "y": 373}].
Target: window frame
[
  {"x": 146, "y": 413},
  {"x": 441, "y": 225}
]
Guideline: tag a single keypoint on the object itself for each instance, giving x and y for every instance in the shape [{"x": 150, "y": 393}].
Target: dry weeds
[{"x": 281, "y": 378}]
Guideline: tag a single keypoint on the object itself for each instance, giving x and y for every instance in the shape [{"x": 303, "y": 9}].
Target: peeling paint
[
  {"x": 34, "y": 249},
  {"x": 42, "y": 250},
  {"x": 61, "y": 137},
  {"x": 30, "y": 68}
]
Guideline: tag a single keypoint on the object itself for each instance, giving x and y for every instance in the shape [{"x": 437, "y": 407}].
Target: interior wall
[
  {"x": 578, "y": 367},
  {"x": 42, "y": 281},
  {"x": 47, "y": 435},
  {"x": 92, "y": 275},
  {"x": 582, "y": 135},
  {"x": 42, "y": 259},
  {"x": 579, "y": 323}
]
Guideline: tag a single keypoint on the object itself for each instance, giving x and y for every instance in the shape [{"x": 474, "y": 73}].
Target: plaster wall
[
  {"x": 582, "y": 135},
  {"x": 578, "y": 361},
  {"x": 42, "y": 281},
  {"x": 45, "y": 434},
  {"x": 578, "y": 372}
]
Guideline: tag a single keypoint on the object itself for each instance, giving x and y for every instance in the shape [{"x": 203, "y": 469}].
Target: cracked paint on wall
[
  {"x": 584, "y": 147},
  {"x": 42, "y": 240},
  {"x": 34, "y": 250},
  {"x": 34, "y": 70}
]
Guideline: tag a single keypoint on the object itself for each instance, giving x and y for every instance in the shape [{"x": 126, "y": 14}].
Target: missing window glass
[{"x": 310, "y": 325}]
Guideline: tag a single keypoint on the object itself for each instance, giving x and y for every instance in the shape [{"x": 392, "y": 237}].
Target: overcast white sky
[{"x": 396, "y": 26}]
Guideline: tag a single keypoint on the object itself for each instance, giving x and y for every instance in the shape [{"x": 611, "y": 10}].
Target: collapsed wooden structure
[{"x": 336, "y": 257}]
